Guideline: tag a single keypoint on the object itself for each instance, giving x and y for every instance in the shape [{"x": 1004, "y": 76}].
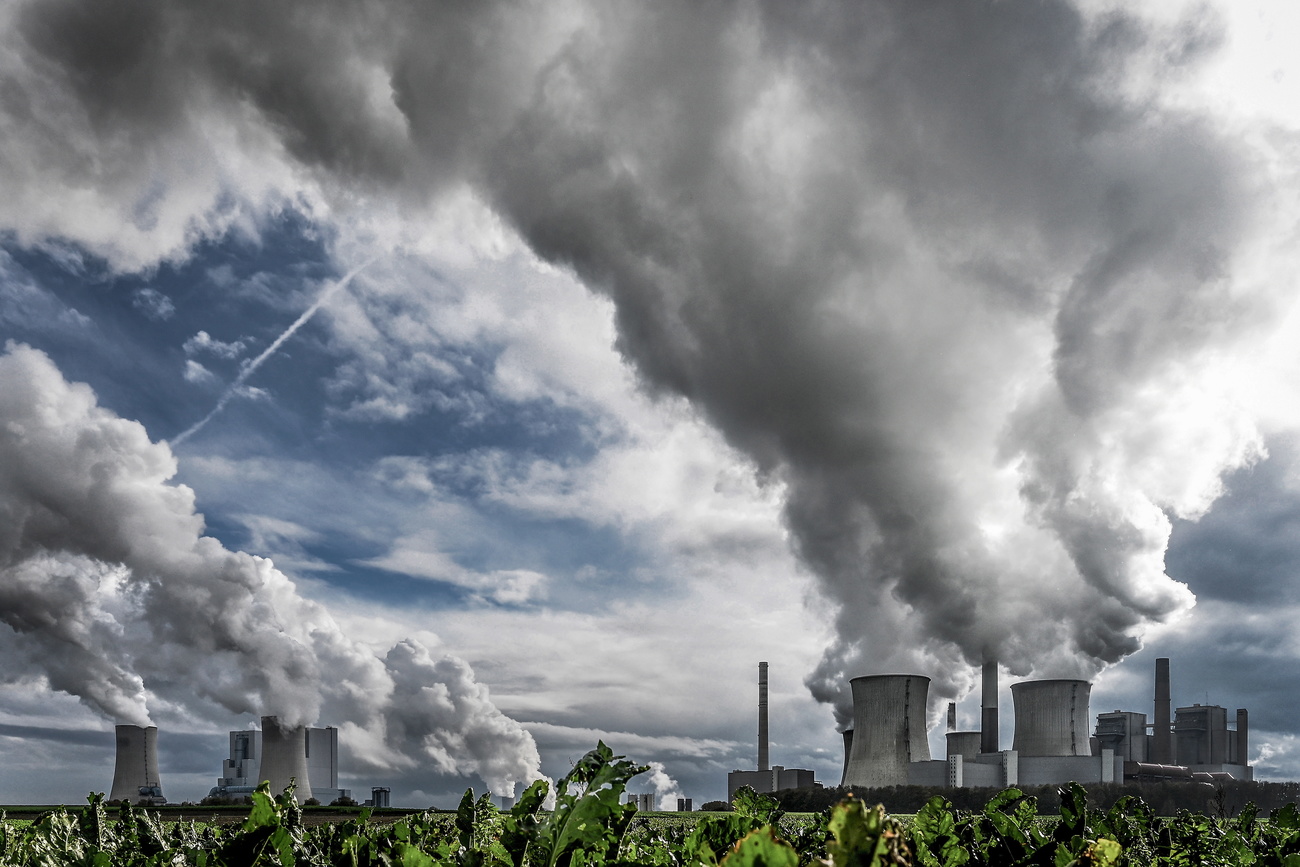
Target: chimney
[
  {"x": 762, "y": 716},
  {"x": 989, "y": 709},
  {"x": 1243, "y": 737},
  {"x": 1162, "y": 748},
  {"x": 952, "y": 716}
]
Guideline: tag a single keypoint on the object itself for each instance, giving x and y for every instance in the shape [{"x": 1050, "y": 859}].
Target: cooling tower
[
  {"x": 135, "y": 777},
  {"x": 888, "y": 728},
  {"x": 284, "y": 757},
  {"x": 964, "y": 744},
  {"x": 1051, "y": 717}
]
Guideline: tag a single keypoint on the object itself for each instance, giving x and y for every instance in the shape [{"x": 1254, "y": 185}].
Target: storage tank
[
  {"x": 284, "y": 758},
  {"x": 888, "y": 728},
  {"x": 965, "y": 744},
  {"x": 135, "y": 775},
  {"x": 1051, "y": 717}
]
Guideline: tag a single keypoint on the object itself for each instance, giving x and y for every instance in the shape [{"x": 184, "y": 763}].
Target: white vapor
[
  {"x": 110, "y": 591},
  {"x": 971, "y": 280},
  {"x": 249, "y": 369}
]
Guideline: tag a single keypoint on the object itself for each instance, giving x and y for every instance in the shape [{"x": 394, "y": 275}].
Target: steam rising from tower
[
  {"x": 108, "y": 579},
  {"x": 801, "y": 214}
]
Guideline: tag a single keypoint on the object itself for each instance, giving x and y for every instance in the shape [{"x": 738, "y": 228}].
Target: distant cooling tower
[
  {"x": 135, "y": 777},
  {"x": 968, "y": 745},
  {"x": 888, "y": 728},
  {"x": 1051, "y": 717},
  {"x": 284, "y": 757}
]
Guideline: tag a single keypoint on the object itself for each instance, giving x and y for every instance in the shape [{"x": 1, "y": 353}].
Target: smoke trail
[
  {"x": 250, "y": 368},
  {"x": 958, "y": 273},
  {"x": 109, "y": 589}
]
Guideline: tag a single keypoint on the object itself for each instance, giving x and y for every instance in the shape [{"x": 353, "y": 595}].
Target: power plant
[
  {"x": 309, "y": 756},
  {"x": 1052, "y": 742},
  {"x": 767, "y": 778}
]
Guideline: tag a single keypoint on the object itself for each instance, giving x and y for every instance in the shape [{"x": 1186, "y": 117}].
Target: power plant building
[
  {"x": 1053, "y": 740},
  {"x": 309, "y": 755}
]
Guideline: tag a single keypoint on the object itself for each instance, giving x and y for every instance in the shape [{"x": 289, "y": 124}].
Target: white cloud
[{"x": 204, "y": 343}]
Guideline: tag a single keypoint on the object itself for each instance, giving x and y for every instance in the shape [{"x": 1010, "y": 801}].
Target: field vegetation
[{"x": 591, "y": 827}]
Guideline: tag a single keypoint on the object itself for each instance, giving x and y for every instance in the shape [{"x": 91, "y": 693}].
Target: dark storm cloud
[
  {"x": 1246, "y": 549},
  {"x": 947, "y": 271}
]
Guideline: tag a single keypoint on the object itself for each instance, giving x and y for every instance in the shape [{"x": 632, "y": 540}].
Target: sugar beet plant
[{"x": 590, "y": 827}]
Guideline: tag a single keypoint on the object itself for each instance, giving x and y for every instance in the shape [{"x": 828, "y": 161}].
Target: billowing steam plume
[
  {"x": 117, "y": 597},
  {"x": 952, "y": 272}
]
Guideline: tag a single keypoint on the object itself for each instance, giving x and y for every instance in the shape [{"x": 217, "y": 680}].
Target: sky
[{"x": 488, "y": 380}]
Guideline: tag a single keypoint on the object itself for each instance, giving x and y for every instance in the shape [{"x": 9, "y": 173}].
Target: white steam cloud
[
  {"x": 117, "y": 597},
  {"x": 955, "y": 272}
]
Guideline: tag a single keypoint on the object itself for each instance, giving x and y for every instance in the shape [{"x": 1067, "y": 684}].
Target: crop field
[{"x": 589, "y": 827}]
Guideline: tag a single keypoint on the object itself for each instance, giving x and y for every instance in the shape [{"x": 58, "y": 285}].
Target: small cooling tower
[
  {"x": 964, "y": 744},
  {"x": 135, "y": 777},
  {"x": 284, "y": 757},
  {"x": 1051, "y": 718},
  {"x": 888, "y": 728}
]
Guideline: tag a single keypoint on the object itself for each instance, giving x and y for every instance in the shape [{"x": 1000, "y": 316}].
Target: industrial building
[
  {"x": 1052, "y": 743},
  {"x": 768, "y": 778},
  {"x": 135, "y": 772},
  {"x": 309, "y": 756}
]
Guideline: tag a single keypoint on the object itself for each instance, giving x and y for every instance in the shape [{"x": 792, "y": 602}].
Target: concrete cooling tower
[
  {"x": 1051, "y": 717},
  {"x": 888, "y": 728},
  {"x": 135, "y": 776},
  {"x": 284, "y": 757}
]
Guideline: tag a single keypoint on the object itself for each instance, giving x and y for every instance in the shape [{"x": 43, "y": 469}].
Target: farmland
[{"x": 590, "y": 827}]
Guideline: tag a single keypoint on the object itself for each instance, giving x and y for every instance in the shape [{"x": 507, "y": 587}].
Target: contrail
[{"x": 266, "y": 353}]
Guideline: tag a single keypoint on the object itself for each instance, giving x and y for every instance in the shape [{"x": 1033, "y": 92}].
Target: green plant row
[{"x": 589, "y": 826}]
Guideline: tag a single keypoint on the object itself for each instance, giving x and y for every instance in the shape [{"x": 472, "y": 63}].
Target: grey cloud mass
[{"x": 954, "y": 274}]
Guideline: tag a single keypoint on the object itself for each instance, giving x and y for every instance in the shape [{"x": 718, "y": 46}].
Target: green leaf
[{"x": 762, "y": 848}]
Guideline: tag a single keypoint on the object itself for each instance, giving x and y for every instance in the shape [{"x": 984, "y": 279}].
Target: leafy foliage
[{"x": 589, "y": 827}]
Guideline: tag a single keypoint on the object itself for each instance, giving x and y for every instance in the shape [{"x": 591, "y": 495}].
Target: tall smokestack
[
  {"x": 1162, "y": 748},
  {"x": 989, "y": 709},
  {"x": 135, "y": 776},
  {"x": 952, "y": 716},
  {"x": 1243, "y": 737},
  {"x": 762, "y": 717},
  {"x": 284, "y": 758}
]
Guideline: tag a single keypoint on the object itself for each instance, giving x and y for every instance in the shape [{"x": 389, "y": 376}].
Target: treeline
[{"x": 1224, "y": 799}]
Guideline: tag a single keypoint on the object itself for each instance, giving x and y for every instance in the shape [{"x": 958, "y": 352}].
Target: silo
[
  {"x": 888, "y": 728},
  {"x": 1051, "y": 717},
  {"x": 135, "y": 776},
  {"x": 284, "y": 757},
  {"x": 964, "y": 744}
]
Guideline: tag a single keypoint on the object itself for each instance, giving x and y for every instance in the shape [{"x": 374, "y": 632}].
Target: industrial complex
[
  {"x": 307, "y": 756},
  {"x": 1053, "y": 742}
]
